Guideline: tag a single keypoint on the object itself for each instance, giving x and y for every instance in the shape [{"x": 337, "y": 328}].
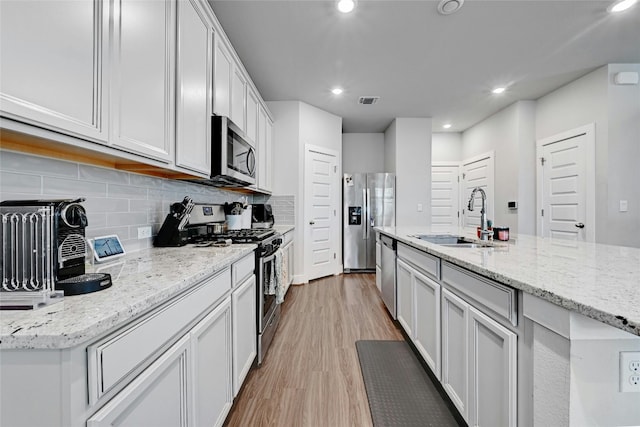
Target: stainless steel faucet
[{"x": 484, "y": 232}]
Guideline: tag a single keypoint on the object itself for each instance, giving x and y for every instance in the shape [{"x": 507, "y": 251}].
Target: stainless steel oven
[{"x": 268, "y": 309}]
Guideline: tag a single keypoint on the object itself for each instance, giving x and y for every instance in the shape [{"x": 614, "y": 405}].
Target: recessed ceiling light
[
  {"x": 346, "y": 6},
  {"x": 446, "y": 126},
  {"x": 336, "y": 91},
  {"x": 447, "y": 7},
  {"x": 499, "y": 90},
  {"x": 621, "y": 5}
]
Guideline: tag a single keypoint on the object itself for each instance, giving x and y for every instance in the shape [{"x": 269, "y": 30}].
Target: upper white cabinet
[
  {"x": 238, "y": 98},
  {"x": 194, "y": 75},
  {"x": 142, "y": 77},
  {"x": 222, "y": 86},
  {"x": 265, "y": 150},
  {"x": 52, "y": 70},
  {"x": 252, "y": 116}
]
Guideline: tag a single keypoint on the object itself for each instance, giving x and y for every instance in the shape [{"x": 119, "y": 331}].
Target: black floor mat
[{"x": 399, "y": 390}]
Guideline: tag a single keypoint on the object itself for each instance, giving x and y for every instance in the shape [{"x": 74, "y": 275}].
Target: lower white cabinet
[
  {"x": 378, "y": 263},
  {"x": 212, "y": 366},
  {"x": 419, "y": 312},
  {"x": 157, "y": 397},
  {"x": 479, "y": 366},
  {"x": 243, "y": 302}
]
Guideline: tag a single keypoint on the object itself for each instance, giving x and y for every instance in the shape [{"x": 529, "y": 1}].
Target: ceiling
[{"x": 421, "y": 63}]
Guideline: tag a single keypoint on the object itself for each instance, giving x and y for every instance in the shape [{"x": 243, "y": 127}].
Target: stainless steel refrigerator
[{"x": 368, "y": 201}]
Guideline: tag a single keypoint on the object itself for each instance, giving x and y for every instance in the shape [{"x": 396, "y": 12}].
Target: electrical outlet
[
  {"x": 630, "y": 371},
  {"x": 144, "y": 232},
  {"x": 419, "y": 207}
]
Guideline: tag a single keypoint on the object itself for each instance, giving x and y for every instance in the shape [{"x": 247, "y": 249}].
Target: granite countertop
[
  {"x": 599, "y": 281},
  {"x": 282, "y": 229},
  {"x": 141, "y": 281}
]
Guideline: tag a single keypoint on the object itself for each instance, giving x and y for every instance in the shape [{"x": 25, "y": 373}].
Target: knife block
[{"x": 170, "y": 235}]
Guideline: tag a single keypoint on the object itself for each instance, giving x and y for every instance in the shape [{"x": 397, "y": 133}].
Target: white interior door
[
  {"x": 321, "y": 207},
  {"x": 564, "y": 174},
  {"x": 445, "y": 197},
  {"x": 477, "y": 172}
]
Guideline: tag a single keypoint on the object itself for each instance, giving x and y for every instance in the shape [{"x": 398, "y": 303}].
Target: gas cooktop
[{"x": 247, "y": 235}]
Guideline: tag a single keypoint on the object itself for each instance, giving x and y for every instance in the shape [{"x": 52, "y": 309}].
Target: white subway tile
[
  {"x": 12, "y": 182},
  {"x": 94, "y": 173}
]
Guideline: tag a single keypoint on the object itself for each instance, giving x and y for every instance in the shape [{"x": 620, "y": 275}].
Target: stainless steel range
[{"x": 268, "y": 240}]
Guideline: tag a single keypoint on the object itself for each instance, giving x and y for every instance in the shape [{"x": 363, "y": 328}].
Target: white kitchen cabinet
[
  {"x": 288, "y": 252},
  {"x": 243, "y": 302},
  {"x": 492, "y": 372},
  {"x": 404, "y": 296},
  {"x": 160, "y": 396},
  {"x": 211, "y": 344},
  {"x": 222, "y": 87},
  {"x": 479, "y": 366},
  {"x": 142, "y": 80},
  {"x": 426, "y": 329},
  {"x": 252, "y": 116},
  {"x": 238, "y": 98},
  {"x": 269, "y": 156},
  {"x": 53, "y": 68},
  {"x": 194, "y": 68},
  {"x": 455, "y": 350},
  {"x": 265, "y": 151}
]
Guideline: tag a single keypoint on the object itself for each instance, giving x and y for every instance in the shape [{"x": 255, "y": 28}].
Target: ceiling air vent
[{"x": 368, "y": 100}]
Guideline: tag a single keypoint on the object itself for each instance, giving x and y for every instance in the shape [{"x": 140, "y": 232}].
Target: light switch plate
[
  {"x": 144, "y": 232},
  {"x": 624, "y": 206}
]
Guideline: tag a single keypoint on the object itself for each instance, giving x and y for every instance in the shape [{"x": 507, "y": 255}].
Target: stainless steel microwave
[{"x": 233, "y": 158}]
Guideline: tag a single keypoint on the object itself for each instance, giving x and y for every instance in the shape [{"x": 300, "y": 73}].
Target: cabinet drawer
[
  {"x": 500, "y": 299},
  {"x": 113, "y": 358},
  {"x": 242, "y": 269},
  {"x": 421, "y": 260}
]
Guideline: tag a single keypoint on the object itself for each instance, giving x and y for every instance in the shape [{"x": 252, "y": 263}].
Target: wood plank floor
[{"x": 311, "y": 375}]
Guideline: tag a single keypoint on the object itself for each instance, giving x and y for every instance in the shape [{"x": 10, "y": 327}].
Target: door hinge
[
  {"x": 334, "y": 212},
  {"x": 335, "y": 169},
  {"x": 458, "y": 178},
  {"x": 458, "y": 214},
  {"x": 334, "y": 255},
  {"x": 542, "y": 160},
  {"x": 542, "y": 212}
]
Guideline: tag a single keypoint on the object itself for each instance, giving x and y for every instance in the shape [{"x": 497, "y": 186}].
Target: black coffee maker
[{"x": 262, "y": 216}]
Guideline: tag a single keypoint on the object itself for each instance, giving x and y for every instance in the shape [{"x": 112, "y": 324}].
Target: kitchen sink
[{"x": 453, "y": 241}]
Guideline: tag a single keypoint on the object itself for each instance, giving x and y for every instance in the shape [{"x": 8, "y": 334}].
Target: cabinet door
[
  {"x": 269, "y": 156},
  {"x": 291, "y": 260},
  {"x": 262, "y": 149},
  {"x": 243, "y": 303},
  {"x": 222, "y": 86},
  {"x": 51, "y": 72},
  {"x": 238, "y": 98},
  {"x": 427, "y": 320},
  {"x": 194, "y": 74},
  {"x": 211, "y": 349},
  {"x": 159, "y": 396},
  {"x": 493, "y": 372},
  {"x": 404, "y": 296},
  {"x": 252, "y": 116},
  {"x": 455, "y": 350},
  {"x": 142, "y": 77}
]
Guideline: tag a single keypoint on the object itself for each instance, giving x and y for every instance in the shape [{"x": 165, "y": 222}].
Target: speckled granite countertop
[
  {"x": 282, "y": 229},
  {"x": 141, "y": 281},
  {"x": 599, "y": 281}
]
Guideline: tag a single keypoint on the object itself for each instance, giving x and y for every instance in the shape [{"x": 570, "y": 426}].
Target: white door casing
[
  {"x": 477, "y": 172},
  {"x": 445, "y": 196},
  {"x": 566, "y": 185},
  {"x": 321, "y": 207}
]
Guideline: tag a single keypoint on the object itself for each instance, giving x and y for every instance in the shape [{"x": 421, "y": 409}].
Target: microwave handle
[{"x": 251, "y": 161}]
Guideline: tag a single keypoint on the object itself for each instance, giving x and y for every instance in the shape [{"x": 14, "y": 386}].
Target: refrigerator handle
[
  {"x": 369, "y": 213},
  {"x": 365, "y": 215}
]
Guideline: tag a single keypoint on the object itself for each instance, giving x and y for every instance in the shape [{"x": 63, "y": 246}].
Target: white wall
[
  {"x": 615, "y": 110},
  {"x": 363, "y": 152},
  {"x": 295, "y": 125},
  {"x": 446, "y": 147},
  {"x": 408, "y": 154},
  {"x": 509, "y": 134}
]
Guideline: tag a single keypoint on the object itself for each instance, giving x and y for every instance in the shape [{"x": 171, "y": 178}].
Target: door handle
[
  {"x": 312, "y": 222},
  {"x": 579, "y": 225}
]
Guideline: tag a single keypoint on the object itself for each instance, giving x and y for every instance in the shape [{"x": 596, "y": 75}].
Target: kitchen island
[
  {"x": 169, "y": 343},
  {"x": 541, "y": 326}
]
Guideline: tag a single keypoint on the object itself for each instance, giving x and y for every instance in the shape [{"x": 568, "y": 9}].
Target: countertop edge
[
  {"x": 118, "y": 318},
  {"x": 616, "y": 320}
]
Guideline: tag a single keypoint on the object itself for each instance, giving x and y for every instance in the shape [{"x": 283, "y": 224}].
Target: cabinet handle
[
  {"x": 580, "y": 225},
  {"x": 312, "y": 222}
]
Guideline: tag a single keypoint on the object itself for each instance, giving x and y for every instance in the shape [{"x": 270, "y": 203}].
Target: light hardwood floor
[{"x": 311, "y": 375}]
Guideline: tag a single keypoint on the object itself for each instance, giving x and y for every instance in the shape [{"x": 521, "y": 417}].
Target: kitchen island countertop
[
  {"x": 141, "y": 281},
  {"x": 599, "y": 281}
]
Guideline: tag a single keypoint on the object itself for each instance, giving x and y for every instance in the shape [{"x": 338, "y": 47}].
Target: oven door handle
[{"x": 269, "y": 258}]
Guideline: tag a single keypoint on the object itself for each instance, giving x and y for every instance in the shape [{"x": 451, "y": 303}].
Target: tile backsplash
[{"x": 118, "y": 202}]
